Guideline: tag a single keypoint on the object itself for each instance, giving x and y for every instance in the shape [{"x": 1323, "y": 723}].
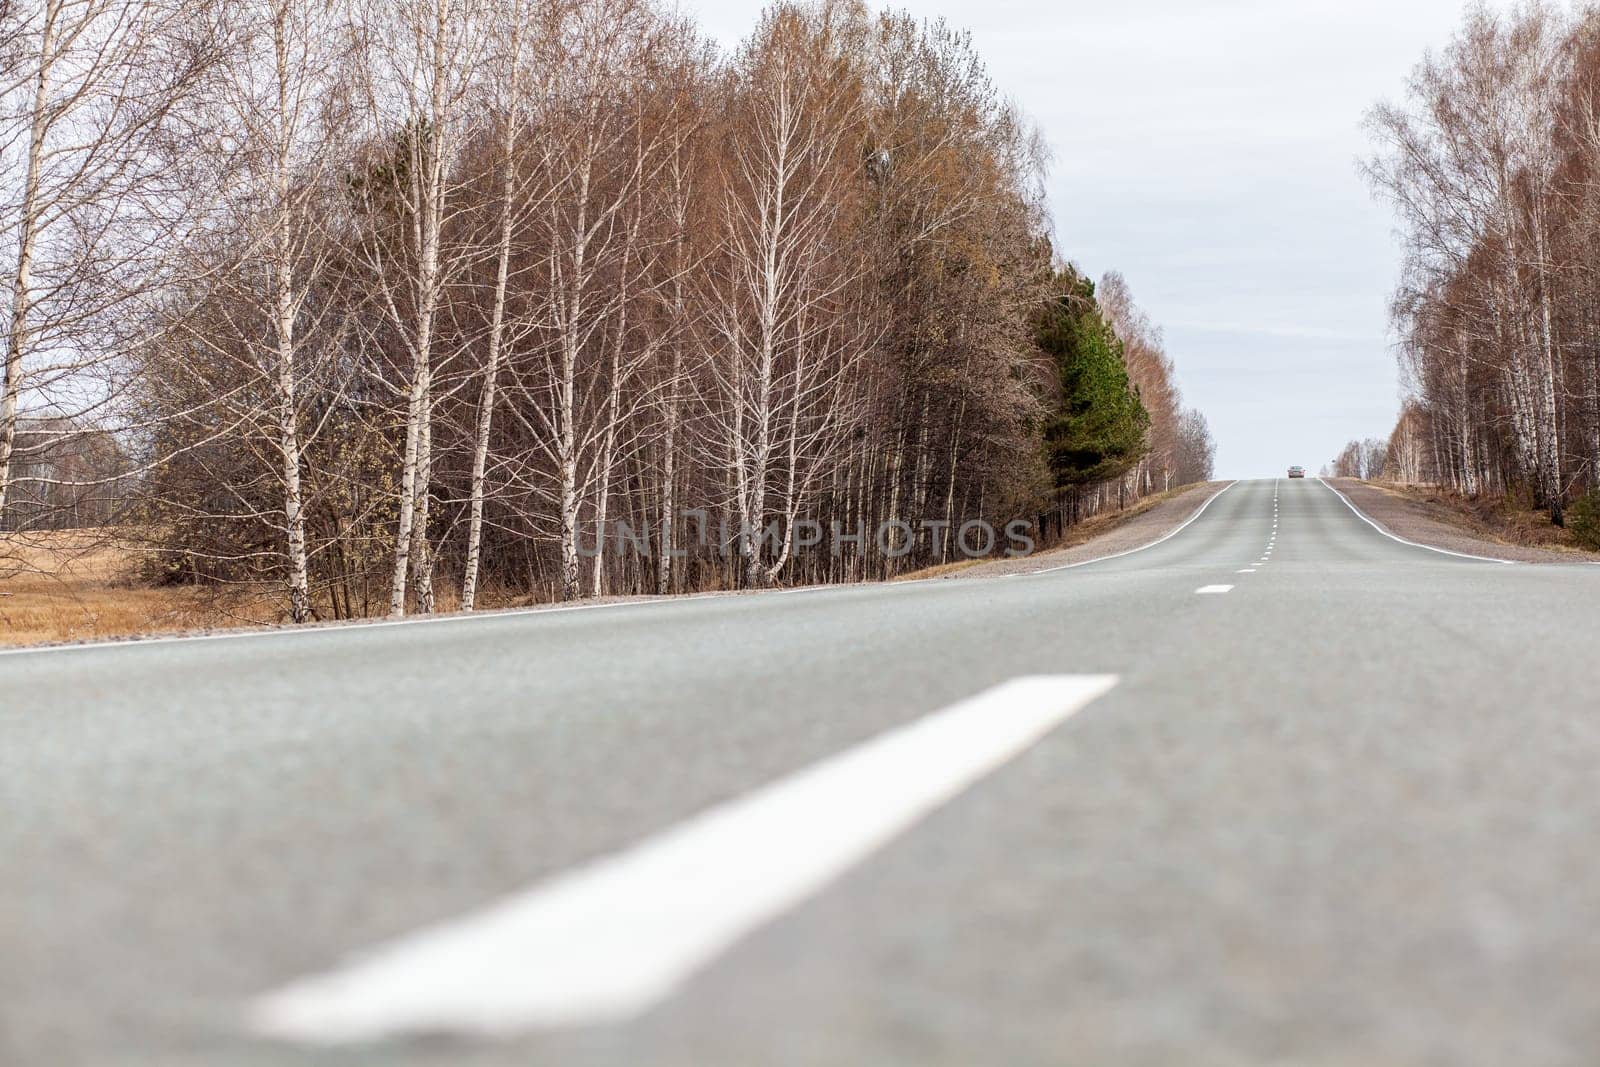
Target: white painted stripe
[
  {"x": 612, "y": 939},
  {"x": 1208, "y": 590},
  {"x": 1403, "y": 541},
  {"x": 1160, "y": 540},
  {"x": 1247, "y": 570}
]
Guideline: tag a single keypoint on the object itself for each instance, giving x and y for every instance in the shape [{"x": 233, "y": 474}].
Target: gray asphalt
[{"x": 1344, "y": 814}]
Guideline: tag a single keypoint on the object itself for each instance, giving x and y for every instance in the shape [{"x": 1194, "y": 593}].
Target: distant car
[{"x": 1297, "y": 472}]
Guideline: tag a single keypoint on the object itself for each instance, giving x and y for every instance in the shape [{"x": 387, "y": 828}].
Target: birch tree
[
  {"x": 421, "y": 61},
  {"x": 86, "y": 88},
  {"x": 468, "y": 283},
  {"x": 271, "y": 129},
  {"x": 591, "y": 157},
  {"x": 1471, "y": 167},
  {"x": 510, "y": 81},
  {"x": 786, "y": 348}
]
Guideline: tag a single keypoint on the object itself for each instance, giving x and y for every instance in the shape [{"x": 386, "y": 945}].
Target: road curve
[{"x": 1336, "y": 810}]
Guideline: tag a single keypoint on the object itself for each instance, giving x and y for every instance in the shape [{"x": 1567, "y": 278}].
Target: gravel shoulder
[
  {"x": 1439, "y": 525},
  {"x": 1104, "y": 535}
]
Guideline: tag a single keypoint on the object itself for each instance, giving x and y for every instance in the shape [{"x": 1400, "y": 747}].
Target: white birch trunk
[{"x": 22, "y": 294}]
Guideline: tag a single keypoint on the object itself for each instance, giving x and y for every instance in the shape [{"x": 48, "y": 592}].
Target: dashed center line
[{"x": 1212, "y": 590}]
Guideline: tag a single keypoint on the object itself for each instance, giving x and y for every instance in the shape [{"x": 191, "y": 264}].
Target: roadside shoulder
[
  {"x": 1125, "y": 531},
  {"x": 1438, "y": 524}
]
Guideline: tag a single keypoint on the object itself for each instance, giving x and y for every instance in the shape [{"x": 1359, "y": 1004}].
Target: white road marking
[
  {"x": 1247, "y": 570},
  {"x": 609, "y": 940},
  {"x": 1413, "y": 544},
  {"x": 1209, "y": 590}
]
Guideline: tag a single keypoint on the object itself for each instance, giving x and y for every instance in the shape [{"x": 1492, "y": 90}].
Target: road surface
[{"x": 1279, "y": 789}]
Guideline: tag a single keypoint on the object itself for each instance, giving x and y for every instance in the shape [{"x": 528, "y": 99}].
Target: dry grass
[
  {"x": 1095, "y": 525},
  {"x": 79, "y": 585},
  {"x": 939, "y": 570}
]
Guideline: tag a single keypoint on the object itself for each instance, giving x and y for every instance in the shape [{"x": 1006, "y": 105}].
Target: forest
[
  {"x": 402, "y": 306},
  {"x": 1492, "y": 165}
]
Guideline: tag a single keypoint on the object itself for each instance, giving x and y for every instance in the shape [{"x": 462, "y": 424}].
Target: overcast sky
[{"x": 1207, "y": 150}]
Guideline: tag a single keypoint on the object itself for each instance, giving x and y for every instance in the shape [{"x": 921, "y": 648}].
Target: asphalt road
[{"x": 1343, "y": 812}]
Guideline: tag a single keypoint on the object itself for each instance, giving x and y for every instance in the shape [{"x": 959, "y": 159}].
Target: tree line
[
  {"x": 1492, "y": 164},
  {"x": 1361, "y": 459},
  {"x": 396, "y": 304}
]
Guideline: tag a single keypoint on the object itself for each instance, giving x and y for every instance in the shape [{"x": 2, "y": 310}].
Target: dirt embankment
[
  {"x": 1103, "y": 535},
  {"x": 1441, "y": 519}
]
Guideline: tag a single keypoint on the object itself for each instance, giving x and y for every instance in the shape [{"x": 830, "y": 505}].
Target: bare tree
[
  {"x": 1473, "y": 166},
  {"x": 421, "y": 59},
  {"x": 85, "y": 90},
  {"x": 271, "y": 128},
  {"x": 591, "y": 156},
  {"x": 510, "y": 81},
  {"x": 780, "y": 296},
  {"x": 411, "y": 285}
]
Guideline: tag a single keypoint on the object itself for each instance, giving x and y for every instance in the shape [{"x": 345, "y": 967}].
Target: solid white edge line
[
  {"x": 1160, "y": 540},
  {"x": 1431, "y": 548},
  {"x": 615, "y": 937}
]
